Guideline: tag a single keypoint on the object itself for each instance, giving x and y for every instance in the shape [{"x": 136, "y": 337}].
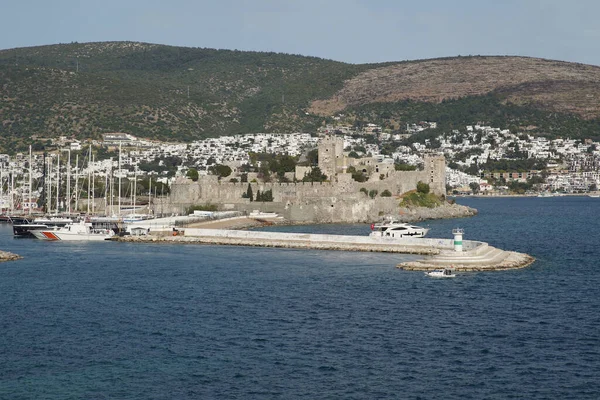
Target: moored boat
[
  {"x": 441, "y": 273},
  {"x": 392, "y": 228},
  {"x": 80, "y": 231},
  {"x": 24, "y": 227}
]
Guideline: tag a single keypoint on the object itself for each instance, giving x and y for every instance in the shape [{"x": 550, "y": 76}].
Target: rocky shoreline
[{"x": 445, "y": 211}]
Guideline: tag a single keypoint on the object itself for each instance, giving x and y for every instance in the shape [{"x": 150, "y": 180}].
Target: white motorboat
[
  {"x": 441, "y": 273},
  {"x": 392, "y": 228},
  {"x": 79, "y": 231}
]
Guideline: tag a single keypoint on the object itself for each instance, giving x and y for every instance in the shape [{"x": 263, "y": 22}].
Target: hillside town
[{"x": 561, "y": 165}]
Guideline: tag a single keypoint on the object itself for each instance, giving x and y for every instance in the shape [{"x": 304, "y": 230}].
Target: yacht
[
  {"x": 79, "y": 231},
  {"x": 392, "y": 228}
]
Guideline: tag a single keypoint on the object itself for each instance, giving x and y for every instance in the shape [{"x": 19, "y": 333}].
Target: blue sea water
[{"x": 156, "y": 321}]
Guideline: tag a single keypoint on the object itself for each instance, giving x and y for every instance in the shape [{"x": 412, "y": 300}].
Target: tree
[
  {"x": 372, "y": 193},
  {"x": 267, "y": 195},
  {"x": 192, "y": 174},
  {"x": 248, "y": 194},
  {"x": 313, "y": 157},
  {"x": 358, "y": 176},
  {"x": 221, "y": 170},
  {"x": 315, "y": 175},
  {"x": 422, "y": 187},
  {"x": 386, "y": 193},
  {"x": 404, "y": 167},
  {"x": 474, "y": 187}
]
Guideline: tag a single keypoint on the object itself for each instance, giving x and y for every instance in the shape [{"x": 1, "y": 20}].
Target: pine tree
[{"x": 249, "y": 193}]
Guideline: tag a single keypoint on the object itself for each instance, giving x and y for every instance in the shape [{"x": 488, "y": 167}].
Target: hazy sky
[{"x": 355, "y": 31}]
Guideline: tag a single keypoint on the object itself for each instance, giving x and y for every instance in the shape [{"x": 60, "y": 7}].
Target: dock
[{"x": 440, "y": 253}]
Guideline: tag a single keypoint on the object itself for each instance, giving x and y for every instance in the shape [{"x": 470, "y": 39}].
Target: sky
[{"x": 352, "y": 31}]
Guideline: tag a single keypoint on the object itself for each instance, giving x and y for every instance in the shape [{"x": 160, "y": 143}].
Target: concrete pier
[
  {"x": 476, "y": 256},
  {"x": 482, "y": 258}
]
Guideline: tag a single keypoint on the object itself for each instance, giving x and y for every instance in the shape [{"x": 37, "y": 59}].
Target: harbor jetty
[{"x": 468, "y": 256}]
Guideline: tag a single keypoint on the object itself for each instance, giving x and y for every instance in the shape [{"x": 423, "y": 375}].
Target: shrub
[
  {"x": 192, "y": 174},
  {"x": 422, "y": 187},
  {"x": 201, "y": 207},
  {"x": 417, "y": 199}
]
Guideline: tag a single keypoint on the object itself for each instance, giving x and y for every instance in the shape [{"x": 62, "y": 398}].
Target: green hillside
[
  {"x": 182, "y": 94},
  {"x": 160, "y": 92}
]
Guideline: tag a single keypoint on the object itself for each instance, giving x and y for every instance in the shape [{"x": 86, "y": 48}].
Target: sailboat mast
[
  {"x": 12, "y": 190},
  {"x": 134, "y": 187},
  {"x": 93, "y": 186},
  {"x": 30, "y": 173},
  {"x": 49, "y": 196},
  {"x": 120, "y": 179},
  {"x": 89, "y": 181},
  {"x": 57, "y": 182},
  {"x": 69, "y": 182},
  {"x": 76, "y": 182},
  {"x": 106, "y": 192}
]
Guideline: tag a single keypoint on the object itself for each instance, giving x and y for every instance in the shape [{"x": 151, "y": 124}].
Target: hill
[{"x": 182, "y": 94}]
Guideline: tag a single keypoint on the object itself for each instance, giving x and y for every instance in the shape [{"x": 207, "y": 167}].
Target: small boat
[
  {"x": 80, "y": 231},
  {"x": 260, "y": 214},
  {"x": 392, "y": 228},
  {"x": 441, "y": 273}
]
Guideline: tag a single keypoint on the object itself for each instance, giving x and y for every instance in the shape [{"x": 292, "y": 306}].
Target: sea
[{"x": 169, "y": 321}]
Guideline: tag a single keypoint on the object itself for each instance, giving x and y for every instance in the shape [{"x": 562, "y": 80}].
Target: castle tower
[
  {"x": 331, "y": 156},
  {"x": 435, "y": 168}
]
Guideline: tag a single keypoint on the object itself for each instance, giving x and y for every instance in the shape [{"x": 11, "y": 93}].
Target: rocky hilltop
[{"x": 552, "y": 85}]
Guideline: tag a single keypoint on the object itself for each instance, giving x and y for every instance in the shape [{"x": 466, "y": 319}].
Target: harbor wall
[{"x": 311, "y": 241}]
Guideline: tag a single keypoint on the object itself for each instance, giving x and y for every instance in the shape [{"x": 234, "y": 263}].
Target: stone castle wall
[{"x": 338, "y": 200}]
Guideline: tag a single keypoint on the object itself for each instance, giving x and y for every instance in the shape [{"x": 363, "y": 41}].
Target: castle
[{"x": 339, "y": 199}]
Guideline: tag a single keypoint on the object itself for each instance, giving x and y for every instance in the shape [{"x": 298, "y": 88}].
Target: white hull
[
  {"x": 82, "y": 231},
  {"x": 440, "y": 273},
  {"x": 397, "y": 230}
]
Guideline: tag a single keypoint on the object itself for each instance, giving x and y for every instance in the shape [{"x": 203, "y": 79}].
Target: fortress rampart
[{"x": 340, "y": 199}]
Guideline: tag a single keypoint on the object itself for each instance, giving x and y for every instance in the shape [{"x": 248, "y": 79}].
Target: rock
[
  {"x": 445, "y": 211},
  {"x": 6, "y": 256}
]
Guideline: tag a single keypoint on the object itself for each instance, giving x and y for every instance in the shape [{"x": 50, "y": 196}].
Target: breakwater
[{"x": 476, "y": 256}]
